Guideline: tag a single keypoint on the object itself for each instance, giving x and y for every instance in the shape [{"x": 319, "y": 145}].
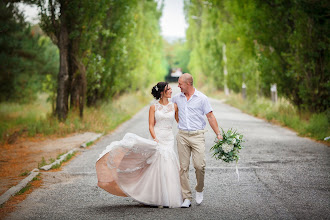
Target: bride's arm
[
  {"x": 152, "y": 122},
  {"x": 176, "y": 112}
]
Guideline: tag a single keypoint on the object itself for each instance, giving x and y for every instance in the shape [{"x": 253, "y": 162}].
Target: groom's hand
[{"x": 219, "y": 136}]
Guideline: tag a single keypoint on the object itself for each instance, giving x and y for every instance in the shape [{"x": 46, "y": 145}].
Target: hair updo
[{"x": 157, "y": 89}]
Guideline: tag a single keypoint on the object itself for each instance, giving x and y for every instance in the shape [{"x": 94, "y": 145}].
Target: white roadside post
[
  {"x": 273, "y": 90},
  {"x": 244, "y": 90}
]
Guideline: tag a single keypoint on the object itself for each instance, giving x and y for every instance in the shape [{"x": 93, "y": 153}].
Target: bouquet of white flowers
[{"x": 228, "y": 148}]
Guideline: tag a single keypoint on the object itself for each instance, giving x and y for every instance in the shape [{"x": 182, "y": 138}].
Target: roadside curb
[
  {"x": 62, "y": 158},
  {"x": 84, "y": 145},
  {"x": 49, "y": 166},
  {"x": 15, "y": 189}
]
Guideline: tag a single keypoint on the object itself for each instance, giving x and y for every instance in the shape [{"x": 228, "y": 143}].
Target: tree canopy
[
  {"x": 108, "y": 47},
  {"x": 266, "y": 42},
  {"x": 26, "y": 56}
]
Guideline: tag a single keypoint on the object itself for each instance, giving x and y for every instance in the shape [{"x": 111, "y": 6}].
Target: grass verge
[
  {"x": 11, "y": 204},
  {"x": 315, "y": 126},
  {"x": 28, "y": 186},
  {"x": 67, "y": 158},
  {"x": 36, "y": 119}
]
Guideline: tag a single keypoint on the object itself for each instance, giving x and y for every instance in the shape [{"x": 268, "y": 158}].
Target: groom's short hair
[{"x": 188, "y": 78}]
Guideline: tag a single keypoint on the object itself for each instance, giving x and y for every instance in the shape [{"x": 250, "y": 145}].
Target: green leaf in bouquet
[{"x": 230, "y": 137}]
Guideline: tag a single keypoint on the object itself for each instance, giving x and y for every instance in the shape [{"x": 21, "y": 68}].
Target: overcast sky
[{"x": 172, "y": 22}]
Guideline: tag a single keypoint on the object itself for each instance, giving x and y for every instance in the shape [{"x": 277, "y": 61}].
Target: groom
[{"x": 193, "y": 105}]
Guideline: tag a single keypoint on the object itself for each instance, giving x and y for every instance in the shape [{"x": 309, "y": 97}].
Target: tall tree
[
  {"x": 71, "y": 24},
  {"x": 128, "y": 53},
  {"x": 283, "y": 41},
  {"x": 296, "y": 37},
  {"x": 22, "y": 55}
]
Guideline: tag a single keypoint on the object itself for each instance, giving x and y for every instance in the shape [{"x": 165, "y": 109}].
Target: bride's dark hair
[{"x": 157, "y": 89}]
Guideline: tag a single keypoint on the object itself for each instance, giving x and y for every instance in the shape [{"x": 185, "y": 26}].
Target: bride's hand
[
  {"x": 219, "y": 136},
  {"x": 156, "y": 140}
]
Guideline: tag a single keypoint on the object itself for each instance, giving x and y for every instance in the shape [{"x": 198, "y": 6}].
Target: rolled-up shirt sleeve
[{"x": 206, "y": 106}]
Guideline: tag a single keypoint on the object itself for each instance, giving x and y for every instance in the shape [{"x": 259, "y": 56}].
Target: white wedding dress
[{"x": 141, "y": 168}]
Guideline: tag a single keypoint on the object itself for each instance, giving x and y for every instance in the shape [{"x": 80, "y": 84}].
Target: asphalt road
[{"x": 282, "y": 176}]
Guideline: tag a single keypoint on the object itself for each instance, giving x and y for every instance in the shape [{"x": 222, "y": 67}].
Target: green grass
[
  {"x": 23, "y": 190},
  {"x": 36, "y": 118},
  {"x": 316, "y": 126},
  {"x": 42, "y": 163},
  {"x": 89, "y": 143},
  {"x": 59, "y": 156},
  {"x": 56, "y": 166},
  {"x": 28, "y": 186},
  {"x": 67, "y": 158},
  {"x": 25, "y": 173},
  {"x": 36, "y": 178},
  {"x": 51, "y": 160}
]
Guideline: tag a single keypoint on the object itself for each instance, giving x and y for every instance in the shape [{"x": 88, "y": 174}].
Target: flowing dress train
[{"x": 141, "y": 168}]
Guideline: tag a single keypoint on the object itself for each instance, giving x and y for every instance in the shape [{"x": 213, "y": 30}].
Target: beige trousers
[{"x": 191, "y": 143}]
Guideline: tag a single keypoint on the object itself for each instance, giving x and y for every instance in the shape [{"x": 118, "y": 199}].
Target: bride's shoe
[{"x": 186, "y": 203}]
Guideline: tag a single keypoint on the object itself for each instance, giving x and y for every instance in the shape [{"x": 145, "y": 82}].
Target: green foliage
[
  {"x": 36, "y": 118},
  {"x": 56, "y": 166},
  {"x": 36, "y": 178},
  {"x": 67, "y": 158},
  {"x": 297, "y": 39},
  {"x": 229, "y": 147},
  {"x": 89, "y": 143},
  {"x": 42, "y": 163},
  {"x": 315, "y": 125},
  {"x": 24, "y": 57},
  {"x": 127, "y": 55},
  {"x": 110, "y": 41},
  {"x": 177, "y": 55},
  {"x": 50, "y": 69},
  {"x": 319, "y": 126},
  {"x": 24, "y": 189},
  {"x": 266, "y": 42},
  {"x": 25, "y": 173}
]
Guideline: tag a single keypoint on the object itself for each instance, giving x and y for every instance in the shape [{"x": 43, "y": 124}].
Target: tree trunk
[
  {"x": 78, "y": 86},
  {"x": 63, "y": 76},
  {"x": 73, "y": 71}
]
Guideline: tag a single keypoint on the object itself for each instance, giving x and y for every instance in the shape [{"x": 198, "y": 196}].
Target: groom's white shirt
[{"x": 191, "y": 112}]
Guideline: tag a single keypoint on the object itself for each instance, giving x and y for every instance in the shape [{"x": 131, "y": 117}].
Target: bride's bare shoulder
[{"x": 152, "y": 108}]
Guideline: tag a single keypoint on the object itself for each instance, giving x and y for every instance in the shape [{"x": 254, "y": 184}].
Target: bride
[{"x": 145, "y": 169}]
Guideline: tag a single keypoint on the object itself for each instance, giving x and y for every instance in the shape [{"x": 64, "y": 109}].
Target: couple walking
[{"x": 149, "y": 170}]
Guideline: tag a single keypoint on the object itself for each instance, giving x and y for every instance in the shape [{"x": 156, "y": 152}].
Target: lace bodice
[{"x": 164, "y": 115}]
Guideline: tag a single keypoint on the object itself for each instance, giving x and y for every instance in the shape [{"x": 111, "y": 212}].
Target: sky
[
  {"x": 172, "y": 22},
  {"x": 31, "y": 13}
]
